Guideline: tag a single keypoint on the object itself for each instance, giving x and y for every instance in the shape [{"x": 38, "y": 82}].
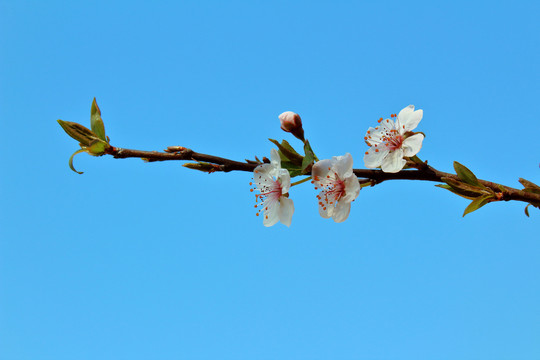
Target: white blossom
[
  {"x": 273, "y": 182},
  {"x": 338, "y": 185},
  {"x": 391, "y": 141}
]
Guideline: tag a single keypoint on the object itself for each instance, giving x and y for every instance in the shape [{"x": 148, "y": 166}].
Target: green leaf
[
  {"x": 527, "y": 210},
  {"x": 288, "y": 152},
  {"x": 309, "y": 158},
  {"x": 294, "y": 169},
  {"x": 466, "y": 175},
  {"x": 202, "y": 166},
  {"x": 465, "y": 189},
  {"x": 451, "y": 189},
  {"x": 289, "y": 165},
  {"x": 477, "y": 204},
  {"x": 530, "y": 186},
  {"x": 294, "y": 173},
  {"x": 96, "y": 123},
  {"x": 71, "y": 160},
  {"x": 78, "y": 132},
  {"x": 534, "y": 191},
  {"x": 289, "y": 148}
]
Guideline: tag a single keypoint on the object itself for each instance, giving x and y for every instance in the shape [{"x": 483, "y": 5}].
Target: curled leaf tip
[
  {"x": 527, "y": 210},
  {"x": 71, "y": 161}
]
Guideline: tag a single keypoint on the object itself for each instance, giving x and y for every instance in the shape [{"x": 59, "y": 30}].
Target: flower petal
[
  {"x": 275, "y": 160},
  {"x": 286, "y": 210},
  {"x": 409, "y": 118},
  {"x": 320, "y": 169},
  {"x": 412, "y": 144},
  {"x": 284, "y": 179},
  {"x": 341, "y": 212},
  {"x": 262, "y": 175},
  {"x": 393, "y": 162},
  {"x": 373, "y": 136},
  {"x": 374, "y": 159},
  {"x": 352, "y": 189},
  {"x": 271, "y": 213},
  {"x": 386, "y": 125},
  {"x": 343, "y": 165},
  {"x": 324, "y": 210}
]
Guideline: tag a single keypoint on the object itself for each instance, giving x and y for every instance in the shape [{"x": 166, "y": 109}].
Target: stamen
[
  {"x": 333, "y": 189},
  {"x": 270, "y": 193}
]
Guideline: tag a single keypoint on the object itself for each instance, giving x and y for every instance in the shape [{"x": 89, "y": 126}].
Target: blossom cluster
[{"x": 390, "y": 143}]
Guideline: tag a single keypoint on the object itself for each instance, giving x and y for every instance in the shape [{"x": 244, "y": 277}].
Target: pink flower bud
[{"x": 291, "y": 122}]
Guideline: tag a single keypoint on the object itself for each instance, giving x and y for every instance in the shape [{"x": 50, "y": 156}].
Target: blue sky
[{"x": 153, "y": 261}]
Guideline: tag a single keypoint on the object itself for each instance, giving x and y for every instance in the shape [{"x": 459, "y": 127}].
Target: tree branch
[{"x": 423, "y": 171}]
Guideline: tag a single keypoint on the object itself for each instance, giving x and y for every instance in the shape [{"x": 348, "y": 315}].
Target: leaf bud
[
  {"x": 203, "y": 166},
  {"x": 96, "y": 121},
  {"x": 78, "y": 132}
]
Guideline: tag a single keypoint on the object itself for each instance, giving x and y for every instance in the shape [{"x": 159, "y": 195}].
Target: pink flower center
[
  {"x": 269, "y": 195},
  {"x": 392, "y": 139},
  {"x": 333, "y": 189}
]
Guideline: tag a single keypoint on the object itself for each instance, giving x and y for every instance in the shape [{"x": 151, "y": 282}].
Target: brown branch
[
  {"x": 181, "y": 153},
  {"x": 423, "y": 171}
]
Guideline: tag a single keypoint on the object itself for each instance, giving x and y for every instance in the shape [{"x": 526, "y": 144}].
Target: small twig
[{"x": 301, "y": 181}]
